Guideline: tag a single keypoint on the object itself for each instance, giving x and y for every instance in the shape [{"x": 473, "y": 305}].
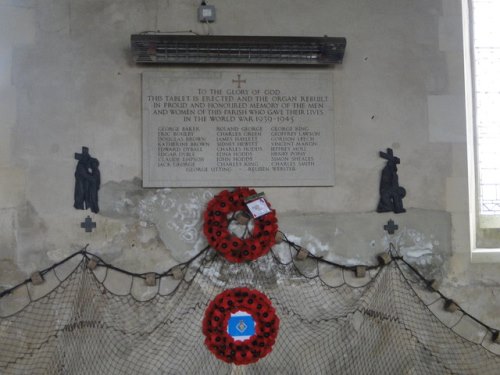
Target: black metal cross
[
  {"x": 389, "y": 156},
  {"x": 88, "y": 224},
  {"x": 239, "y": 81},
  {"x": 391, "y": 227},
  {"x": 85, "y": 151}
]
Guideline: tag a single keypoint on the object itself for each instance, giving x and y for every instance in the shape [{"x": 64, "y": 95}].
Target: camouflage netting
[{"x": 102, "y": 320}]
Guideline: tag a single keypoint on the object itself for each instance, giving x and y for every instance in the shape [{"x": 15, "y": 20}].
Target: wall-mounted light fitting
[{"x": 211, "y": 49}]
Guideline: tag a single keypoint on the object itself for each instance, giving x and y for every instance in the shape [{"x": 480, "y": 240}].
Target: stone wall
[{"x": 67, "y": 81}]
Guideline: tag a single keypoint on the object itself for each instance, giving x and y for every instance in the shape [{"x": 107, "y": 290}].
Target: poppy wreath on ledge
[
  {"x": 233, "y": 248},
  {"x": 240, "y": 326}
]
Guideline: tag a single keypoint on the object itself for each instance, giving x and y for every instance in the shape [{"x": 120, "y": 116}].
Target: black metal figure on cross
[
  {"x": 87, "y": 182},
  {"x": 88, "y": 224},
  {"x": 391, "y": 194}
]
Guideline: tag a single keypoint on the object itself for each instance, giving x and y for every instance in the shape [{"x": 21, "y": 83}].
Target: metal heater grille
[{"x": 198, "y": 49}]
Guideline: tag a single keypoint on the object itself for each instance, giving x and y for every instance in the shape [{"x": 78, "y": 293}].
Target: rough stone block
[
  {"x": 56, "y": 15},
  {"x": 7, "y": 109},
  {"x": 31, "y": 237},
  {"x": 450, "y": 30},
  {"x": 48, "y": 200},
  {"x": 17, "y": 25},
  {"x": 7, "y": 234},
  {"x": 451, "y": 8},
  {"x": 446, "y": 118},
  {"x": 13, "y": 187},
  {"x": 456, "y": 189}
]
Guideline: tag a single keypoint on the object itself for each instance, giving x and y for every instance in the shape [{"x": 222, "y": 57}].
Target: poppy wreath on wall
[
  {"x": 233, "y": 248},
  {"x": 240, "y": 326}
]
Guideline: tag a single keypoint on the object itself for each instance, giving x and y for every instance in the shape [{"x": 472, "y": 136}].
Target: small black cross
[
  {"x": 390, "y": 227},
  {"x": 88, "y": 224},
  {"x": 85, "y": 151},
  {"x": 389, "y": 156},
  {"x": 239, "y": 81}
]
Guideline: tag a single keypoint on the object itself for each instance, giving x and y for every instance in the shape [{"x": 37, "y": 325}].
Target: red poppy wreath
[
  {"x": 240, "y": 326},
  {"x": 233, "y": 248}
]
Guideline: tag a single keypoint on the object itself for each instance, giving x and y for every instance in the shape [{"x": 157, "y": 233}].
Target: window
[
  {"x": 486, "y": 60},
  {"x": 482, "y": 51}
]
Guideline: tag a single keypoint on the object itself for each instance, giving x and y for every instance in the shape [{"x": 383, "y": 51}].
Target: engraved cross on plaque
[{"x": 239, "y": 81}]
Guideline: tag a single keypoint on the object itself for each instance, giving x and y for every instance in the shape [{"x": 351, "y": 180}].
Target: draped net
[{"x": 330, "y": 322}]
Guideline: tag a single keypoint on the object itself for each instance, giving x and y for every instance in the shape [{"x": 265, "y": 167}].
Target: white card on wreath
[{"x": 258, "y": 207}]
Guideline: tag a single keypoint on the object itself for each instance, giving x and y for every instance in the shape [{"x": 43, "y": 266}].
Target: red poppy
[
  {"x": 240, "y": 351},
  {"x": 227, "y": 244}
]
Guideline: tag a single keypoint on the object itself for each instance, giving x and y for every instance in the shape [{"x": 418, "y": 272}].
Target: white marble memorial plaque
[{"x": 237, "y": 128}]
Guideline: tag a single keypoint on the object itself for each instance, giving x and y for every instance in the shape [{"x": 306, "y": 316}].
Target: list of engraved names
[{"x": 232, "y": 129}]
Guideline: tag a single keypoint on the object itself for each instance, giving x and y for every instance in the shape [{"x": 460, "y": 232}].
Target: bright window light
[{"x": 486, "y": 69}]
